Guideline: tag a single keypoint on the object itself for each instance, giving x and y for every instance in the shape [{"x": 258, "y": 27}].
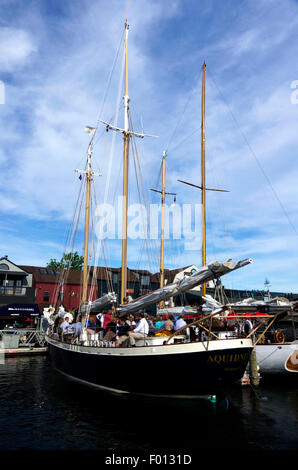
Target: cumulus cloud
[
  {"x": 58, "y": 64},
  {"x": 16, "y": 47}
]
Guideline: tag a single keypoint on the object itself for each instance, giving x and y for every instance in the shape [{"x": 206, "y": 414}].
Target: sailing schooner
[{"x": 156, "y": 365}]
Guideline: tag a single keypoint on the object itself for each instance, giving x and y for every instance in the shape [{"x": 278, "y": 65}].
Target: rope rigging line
[
  {"x": 255, "y": 157},
  {"x": 112, "y": 150},
  {"x": 109, "y": 81},
  {"x": 183, "y": 113},
  {"x": 142, "y": 194},
  {"x": 64, "y": 273},
  {"x": 142, "y": 214},
  {"x": 101, "y": 244}
]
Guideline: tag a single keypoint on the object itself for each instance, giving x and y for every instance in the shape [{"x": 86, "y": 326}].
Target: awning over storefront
[{"x": 19, "y": 310}]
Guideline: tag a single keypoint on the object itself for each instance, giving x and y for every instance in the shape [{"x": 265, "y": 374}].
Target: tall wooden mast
[
  {"x": 87, "y": 217},
  {"x": 203, "y": 178},
  {"x": 162, "y": 219},
  {"x": 163, "y": 199},
  {"x": 126, "y": 137},
  {"x": 89, "y": 177},
  {"x": 203, "y": 184},
  {"x": 125, "y": 175}
]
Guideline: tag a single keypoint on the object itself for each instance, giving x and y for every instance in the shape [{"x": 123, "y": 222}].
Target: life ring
[
  {"x": 280, "y": 337},
  {"x": 247, "y": 327}
]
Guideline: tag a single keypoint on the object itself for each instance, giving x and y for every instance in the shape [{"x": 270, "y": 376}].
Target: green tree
[{"x": 68, "y": 261}]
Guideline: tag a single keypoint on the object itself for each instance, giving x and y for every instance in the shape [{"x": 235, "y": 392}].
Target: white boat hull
[{"x": 278, "y": 358}]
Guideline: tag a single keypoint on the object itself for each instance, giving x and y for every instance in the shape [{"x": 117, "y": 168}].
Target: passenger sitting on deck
[
  {"x": 179, "y": 323},
  {"x": 65, "y": 326},
  {"x": 168, "y": 326},
  {"x": 150, "y": 323},
  {"x": 99, "y": 324},
  {"x": 131, "y": 321},
  {"x": 77, "y": 329},
  {"x": 110, "y": 331},
  {"x": 122, "y": 331},
  {"x": 159, "y": 323},
  {"x": 140, "y": 331},
  {"x": 57, "y": 323},
  {"x": 106, "y": 320}
]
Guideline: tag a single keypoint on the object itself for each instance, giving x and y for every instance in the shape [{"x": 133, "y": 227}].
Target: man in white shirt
[{"x": 141, "y": 330}]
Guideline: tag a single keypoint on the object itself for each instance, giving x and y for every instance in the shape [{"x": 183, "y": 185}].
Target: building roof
[
  {"x": 12, "y": 268},
  {"x": 47, "y": 275},
  {"x": 43, "y": 274}
]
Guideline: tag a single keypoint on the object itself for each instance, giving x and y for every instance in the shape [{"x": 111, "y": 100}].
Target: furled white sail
[
  {"x": 206, "y": 273},
  {"x": 274, "y": 301},
  {"x": 210, "y": 303},
  {"x": 184, "y": 310},
  {"x": 98, "y": 304}
]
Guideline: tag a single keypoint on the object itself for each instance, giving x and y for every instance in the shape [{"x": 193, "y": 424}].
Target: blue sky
[{"x": 55, "y": 63}]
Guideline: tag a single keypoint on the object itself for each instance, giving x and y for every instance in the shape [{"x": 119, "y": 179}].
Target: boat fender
[{"x": 280, "y": 337}]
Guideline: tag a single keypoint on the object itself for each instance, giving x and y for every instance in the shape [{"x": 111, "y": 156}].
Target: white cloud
[
  {"x": 62, "y": 87},
  {"x": 16, "y": 47}
]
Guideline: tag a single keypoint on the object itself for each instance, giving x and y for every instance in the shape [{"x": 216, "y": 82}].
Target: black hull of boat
[{"x": 183, "y": 373}]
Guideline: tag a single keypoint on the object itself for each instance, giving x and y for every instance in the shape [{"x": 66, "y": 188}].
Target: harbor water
[{"x": 41, "y": 410}]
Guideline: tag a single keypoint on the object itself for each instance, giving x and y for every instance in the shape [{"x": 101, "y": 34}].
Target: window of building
[
  {"x": 46, "y": 296},
  {"x": 43, "y": 271},
  {"x": 4, "y": 267},
  {"x": 145, "y": 280},
  {"x": 50, "y": 271},
  {"x": 115, "y": 278}
]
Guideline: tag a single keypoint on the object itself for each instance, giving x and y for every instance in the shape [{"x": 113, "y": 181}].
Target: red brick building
[{"x": 48, "y": 289}]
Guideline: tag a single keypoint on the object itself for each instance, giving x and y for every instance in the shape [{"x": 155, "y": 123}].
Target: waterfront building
[
  {"x": 16, "y": 283},
  {"x": 49, "y": 287},
  {"x": 39, "y": 286},
  {"x": 17, "y": 294}
]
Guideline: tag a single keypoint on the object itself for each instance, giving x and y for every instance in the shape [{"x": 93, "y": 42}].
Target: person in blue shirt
[
  {"x": 64, "y": 327},
  {"x": 159, "y": 323},
  {"x": 76, "y": 329}
]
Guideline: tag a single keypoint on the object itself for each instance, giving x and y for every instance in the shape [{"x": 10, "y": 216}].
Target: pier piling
[{"x": 253, "y": 369}]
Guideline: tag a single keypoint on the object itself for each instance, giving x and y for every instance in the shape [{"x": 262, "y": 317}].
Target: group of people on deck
[{"x": 123, "y": 331}]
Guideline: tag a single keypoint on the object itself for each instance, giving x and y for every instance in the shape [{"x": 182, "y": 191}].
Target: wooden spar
[
  {"x": 200, "y": 187},
  {"x": 203, "y": 178},
  {"x": 86, "y": 230},
  {"x": 196, "y": 322},
  {"x": 162, "y": 221},
  {"x": 163, "y": 198},
  {"x": 125, "y": 176},
  {"x": 126, "y": 136},
  {"x": 268, "y": 326},
  {"x": 89, "y": 177},
  {"x": 203, "y": 185}
]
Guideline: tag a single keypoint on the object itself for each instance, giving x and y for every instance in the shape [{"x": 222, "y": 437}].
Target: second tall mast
[
  {"x": 203, "y": 185},
  {"x": 125, "y": 176}
]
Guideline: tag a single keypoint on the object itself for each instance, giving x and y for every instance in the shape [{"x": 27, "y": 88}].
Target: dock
[
  {"x": 25, "y": 351},
  {"x": 22, "y": 342}
]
